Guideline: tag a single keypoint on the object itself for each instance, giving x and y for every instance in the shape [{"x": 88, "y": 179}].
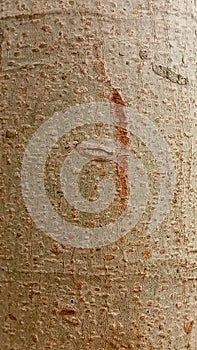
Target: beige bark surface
[{"x": 140, "y": 291}]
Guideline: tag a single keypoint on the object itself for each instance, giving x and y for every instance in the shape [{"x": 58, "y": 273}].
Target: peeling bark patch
[
  {"x": 120, "y": 119},
  {"x": 188, "y": 326},
  {"x": 167, "y": 73},
  {"x": 117, "y": 98},
  {"x": 122, "y": 134}
]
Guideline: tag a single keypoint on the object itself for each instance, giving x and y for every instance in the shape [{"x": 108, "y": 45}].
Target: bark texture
[{"x": 139, "y": 292}]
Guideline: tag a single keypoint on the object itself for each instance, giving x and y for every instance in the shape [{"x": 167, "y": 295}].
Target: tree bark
[{"x": 138, "y": 58}]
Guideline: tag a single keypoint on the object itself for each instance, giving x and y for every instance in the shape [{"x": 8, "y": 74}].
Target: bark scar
[
  {"x": 167, "y": 73},
  {"x": 120, "y": 117}
]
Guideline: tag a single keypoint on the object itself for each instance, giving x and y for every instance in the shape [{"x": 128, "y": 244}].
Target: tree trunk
[{"x": 103, "y": 94}]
